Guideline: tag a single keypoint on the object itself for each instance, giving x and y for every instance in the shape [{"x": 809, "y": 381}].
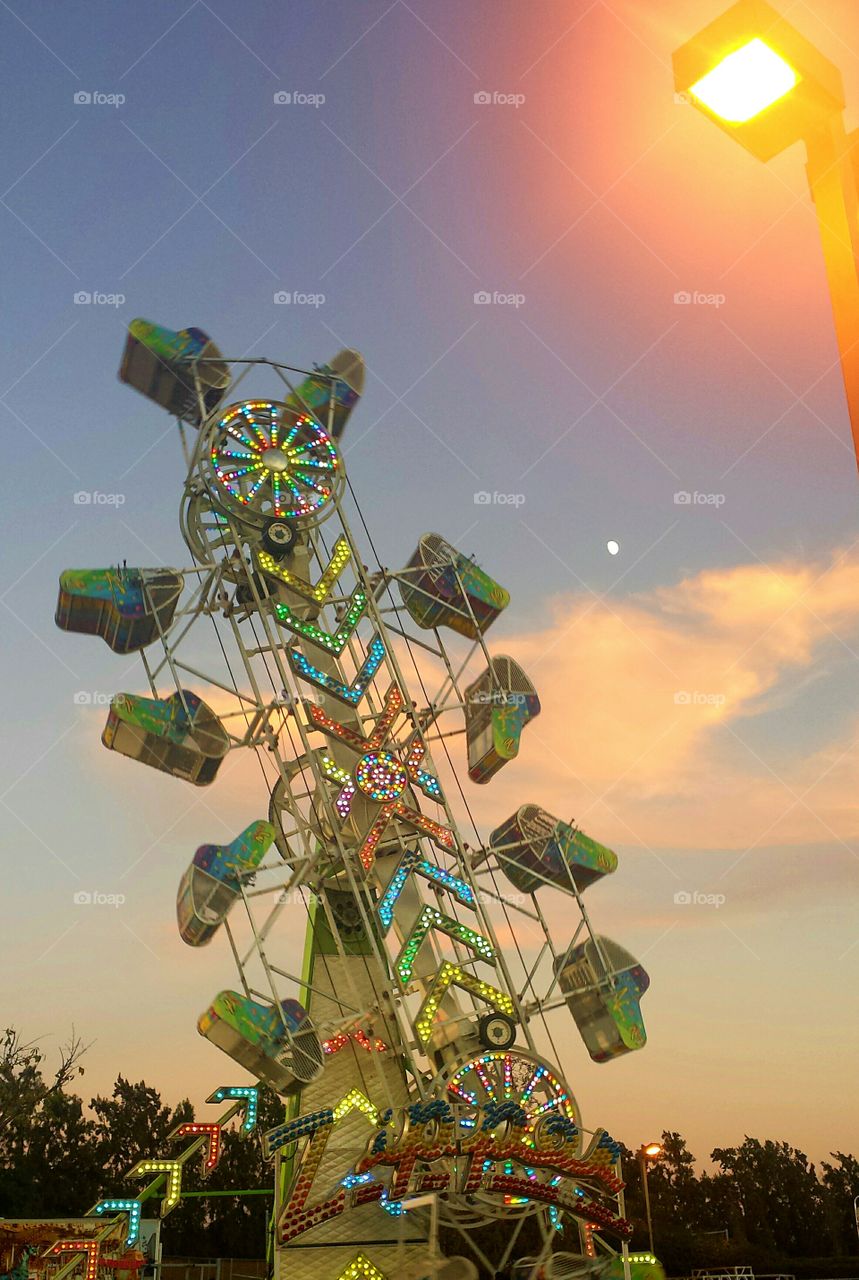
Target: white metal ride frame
[{"x": 310, "y": 662}]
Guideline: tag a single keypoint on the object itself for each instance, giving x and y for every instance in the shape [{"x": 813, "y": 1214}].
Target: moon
[{"x": 612, "y": 547}]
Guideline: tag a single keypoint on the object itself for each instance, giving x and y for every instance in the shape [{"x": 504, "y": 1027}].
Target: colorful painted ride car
[
  {"x": 441, "y": 587},
  {"x": 212, "y": 883},
  {"x": 276, "y": 1043},
  {"x": 179, "y": 734},
  {"x": 603, "y": 985},
  {"x": 128, "y": 608},
  {"x": 498, "y": 705},
  {"x": 182, "y": 370},
  {"x": 534, "y": 848}
]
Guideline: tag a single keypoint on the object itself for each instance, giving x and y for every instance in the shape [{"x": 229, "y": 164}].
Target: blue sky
[{"x": 594, "y": 396}]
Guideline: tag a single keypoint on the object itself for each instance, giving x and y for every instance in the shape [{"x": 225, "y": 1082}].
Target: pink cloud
[{"x": 647, "y": 700}]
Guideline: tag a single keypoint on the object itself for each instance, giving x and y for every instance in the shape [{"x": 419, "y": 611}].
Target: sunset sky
[{"x": 699, "y": 690}]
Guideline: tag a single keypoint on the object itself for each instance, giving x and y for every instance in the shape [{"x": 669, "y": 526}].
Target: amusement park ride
[{"x": 411, "y": 1047}]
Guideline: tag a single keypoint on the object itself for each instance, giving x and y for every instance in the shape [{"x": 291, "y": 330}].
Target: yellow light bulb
[{"x": 745, "y": 83}]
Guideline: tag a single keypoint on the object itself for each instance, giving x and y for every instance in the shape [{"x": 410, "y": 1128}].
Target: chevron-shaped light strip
[
  {"x": 308, "y": 1124},
  {"x": 90, "y": 1248},
  {"x": 248, "y": 1094},
  {"x": 441, "y": 835},
  {"x": 320, "y": 719},
  {"x": 452, "y": 975},
  {"x": 431, "y": 918},
  {"x": 414, "y": 863},
  {"x": 173, "y": 1169},
  {"x": 316, "y": 591},
  {"x": 355, "y": 1100},
  {"x": 132, "y": 1207},
  {"x": 348, "y": 693},
  {"x": 333, "y": 772},
  {"x": 332, "y": 641},
  {"x": 212, "y": 1131},
  {"x": 361, "y": 1268},
  {"x": 428, "y": 782}
]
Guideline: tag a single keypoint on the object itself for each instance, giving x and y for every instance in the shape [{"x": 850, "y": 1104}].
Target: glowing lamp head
[
  {"x": 745, "y": 83},
  {"x": 652, "y": 1150},
  {"x": 759, "y": 79}
]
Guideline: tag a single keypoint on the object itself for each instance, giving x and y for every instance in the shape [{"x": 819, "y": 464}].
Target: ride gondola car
[
  {"x": 212, "y": 883},
  {"x": 534, "y": 848},
  {"x": 276, "y": 1043},
  {"x": 331, "y": 403},
  {"x": 441, "y": 587},
  {"x": 179, "y": 734},
  {"x": 498, "y": 705},
  {"x": 128, "y": 608},
  {"x": 182, "y": 370},
  {"x": 603, "y": 984}
]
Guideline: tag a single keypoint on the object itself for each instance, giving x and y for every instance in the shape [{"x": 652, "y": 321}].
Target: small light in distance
[{"x": 612, "y": 547}]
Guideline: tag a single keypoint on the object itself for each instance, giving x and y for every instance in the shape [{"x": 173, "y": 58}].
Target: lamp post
[
  {"x": 767, "y": 86},
  {"x": 856, "y": 1212},
  {"x": 647, "y": 1152}
]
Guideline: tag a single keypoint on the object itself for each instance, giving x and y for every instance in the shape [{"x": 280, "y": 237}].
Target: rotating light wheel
[
  {"x": 510, "y": 1075},
  {"x": 266, "y": 462}
]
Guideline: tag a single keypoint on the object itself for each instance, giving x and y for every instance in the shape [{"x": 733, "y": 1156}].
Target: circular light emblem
[{"x": 381, "y": 776}]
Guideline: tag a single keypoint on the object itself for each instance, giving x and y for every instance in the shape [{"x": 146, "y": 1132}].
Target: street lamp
[
  {"x": 768, "y": 87},
  {"x": 648, "y": 1152}
]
